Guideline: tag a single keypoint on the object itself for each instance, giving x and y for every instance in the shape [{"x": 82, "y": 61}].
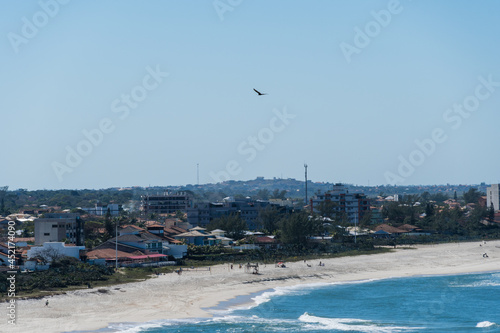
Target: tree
[
  {"x": 269, "y": 217},
  {"x": 263, "y": 194},
  {"x": 455, "y": 197},
  {"x": 425, "y": 197},
  {"x": 48, "y": 255},
  {"x": 366, "y": 220},
  {"x": 472, "y": 195},
  {"x": 108, "y": 224},
  {"x": 491, "y": 213},
  {"x": 278, "y": 195},
  {"x": 429, "y": 209},
  {"x": 297, "y": 227},
  {"x": 232, "y": 224},
  {"x": 180, "y": 215},
  {"x": 439, "y": 197},
  {"x": 327, "y": 208}
]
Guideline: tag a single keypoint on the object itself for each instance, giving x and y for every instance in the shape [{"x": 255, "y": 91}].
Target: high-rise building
[
  {"x": 493, "y": 196},
  {"x": 167, "y": 203},
  {"x": 204, "y": 212},
  {"x": 353, "y": 205},
  {"x": 59, "y": 228}
]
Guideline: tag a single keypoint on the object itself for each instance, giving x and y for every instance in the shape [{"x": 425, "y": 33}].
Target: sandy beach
[{"x": 187, "y": 295}]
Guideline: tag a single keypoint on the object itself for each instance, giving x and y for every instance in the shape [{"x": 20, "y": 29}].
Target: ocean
[{"x": 454, "y": 303}]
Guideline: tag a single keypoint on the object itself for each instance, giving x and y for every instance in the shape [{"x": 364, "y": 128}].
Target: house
[
  {"x": 24, "y": 241},
  {"x": 221, "y": 238},
  {"x": 50, "y": 251},
  {"x": 109, "y": 252},
  {"x": 197, "y": 236},
  {"x": 266, "y": 242},
  {"x": 137, "y": 237},
  {"x": 452, "y": 203},
  {"x": 385, "y": 230},
  {"x": 144, "y": 241}
]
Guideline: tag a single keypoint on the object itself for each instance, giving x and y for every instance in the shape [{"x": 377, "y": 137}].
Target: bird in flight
[{"x": 258, "y": 92}]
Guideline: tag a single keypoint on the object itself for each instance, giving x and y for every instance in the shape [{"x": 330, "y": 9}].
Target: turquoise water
[{"x": 464, "y": 303}]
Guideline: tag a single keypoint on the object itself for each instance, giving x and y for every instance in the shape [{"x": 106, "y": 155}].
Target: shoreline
[{"x": 193, "y": 294}]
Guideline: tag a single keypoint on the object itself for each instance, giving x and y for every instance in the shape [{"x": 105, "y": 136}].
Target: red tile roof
[{"x": 389, "y": 229}]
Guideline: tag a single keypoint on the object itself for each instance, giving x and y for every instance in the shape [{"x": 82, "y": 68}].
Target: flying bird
[{"x": 258, "y": 92}]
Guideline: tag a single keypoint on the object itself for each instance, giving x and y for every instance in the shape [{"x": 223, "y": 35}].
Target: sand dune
[{"x": 186, "y": 295}]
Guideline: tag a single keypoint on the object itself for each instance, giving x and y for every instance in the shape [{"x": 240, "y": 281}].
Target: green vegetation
[
  {"x": 440, "y": 219},
  {"x": 69, "y": 274},
  {"x": 233, "y": 225}
]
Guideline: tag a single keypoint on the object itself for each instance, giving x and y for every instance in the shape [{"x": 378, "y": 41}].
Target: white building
[
  {"x": 114, "y": 210},
  {"x": 49, "y": 250},
  {"x": 493, "y": 197}
]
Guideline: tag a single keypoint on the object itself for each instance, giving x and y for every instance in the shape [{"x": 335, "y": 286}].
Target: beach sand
[{"x": 185, "y": 296}]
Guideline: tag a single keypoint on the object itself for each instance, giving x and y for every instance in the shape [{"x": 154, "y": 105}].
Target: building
[
  {"x": 114, "y": 210},
  {"x": 52, "y": 250},
  {"x": 204, "y": 212},
  {"x": 493, "y": 196},
  {"x": 166, "y": 204},
  {"x": 59, "y": 228},
  {"x": 354, "y": 205}
]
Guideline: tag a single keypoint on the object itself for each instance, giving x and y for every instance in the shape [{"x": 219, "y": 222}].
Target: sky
[{"x": 99, "y": 94}]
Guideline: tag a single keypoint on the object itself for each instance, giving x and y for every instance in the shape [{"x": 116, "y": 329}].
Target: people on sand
[{"x": 47, "y": 303}]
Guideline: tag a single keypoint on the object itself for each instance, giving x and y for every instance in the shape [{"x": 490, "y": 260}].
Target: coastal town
[
  {"x": 170, "y": 226},
  {"x": 249, "y": 166}
]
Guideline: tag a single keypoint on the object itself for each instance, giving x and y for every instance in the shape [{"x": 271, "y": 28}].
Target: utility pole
[
  {"x": 116, "y": 243},
  {"x": 305, "y": 166},
  {"x": 355, "y": 227}
]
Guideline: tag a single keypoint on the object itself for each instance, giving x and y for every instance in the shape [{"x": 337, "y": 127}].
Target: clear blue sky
[{"x": 357, "y": 83}]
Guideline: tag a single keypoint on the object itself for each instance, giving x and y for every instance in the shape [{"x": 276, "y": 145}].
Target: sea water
[{"x": 458, "y": 303}]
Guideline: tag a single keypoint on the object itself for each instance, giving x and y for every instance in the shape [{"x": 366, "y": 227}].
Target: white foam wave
[
  {"x": 349, "y": 324},
  {"x": 133, "y": 327},
  {"x": 251, "y": 320},
  {"x": 141, "y": 327},
  {"x": 478, "y": 284},
  {"x": 485, "y": 324},
  {"x": 297, "y": 290}
]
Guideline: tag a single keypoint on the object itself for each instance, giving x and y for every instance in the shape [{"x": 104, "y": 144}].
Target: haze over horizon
[{"x": 122, "y": 93}]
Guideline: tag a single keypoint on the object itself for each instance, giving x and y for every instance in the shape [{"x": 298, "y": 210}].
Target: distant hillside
[{"x": 13, "y": 201}]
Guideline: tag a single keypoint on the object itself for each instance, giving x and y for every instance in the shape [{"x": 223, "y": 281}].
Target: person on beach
[{"x": 47, "y": 303}]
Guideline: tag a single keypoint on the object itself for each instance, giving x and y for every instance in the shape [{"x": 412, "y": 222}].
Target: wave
[
  {"x": 133, "y": 327},
  {"x": 349, "y": 324},
  {"x": 199, "y": 322},
  {"x": 493, "y": 282},
  {"x": 485, "y": 324},
  {"x": 299, "y": 290}
]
